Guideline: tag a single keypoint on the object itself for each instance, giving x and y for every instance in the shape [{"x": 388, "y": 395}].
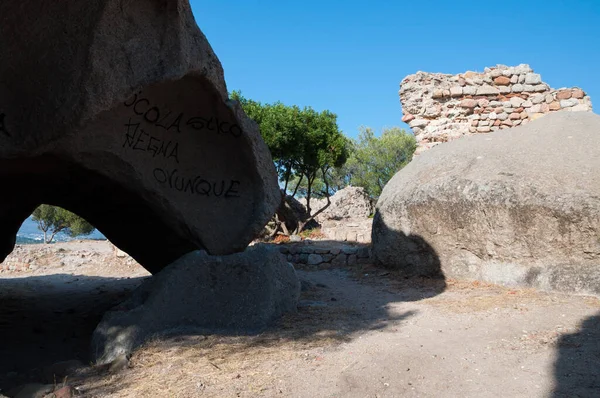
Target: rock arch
[{"x": 121, "y": 115}]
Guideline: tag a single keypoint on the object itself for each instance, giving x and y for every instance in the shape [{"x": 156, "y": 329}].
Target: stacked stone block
[{"x": 441, "y": 107}]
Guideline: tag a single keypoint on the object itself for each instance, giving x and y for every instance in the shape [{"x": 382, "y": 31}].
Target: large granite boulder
[
  {"x": 119, "y": 112},
  {"x": 517, "y": 207},
  {"x": 238, "y": 293}
]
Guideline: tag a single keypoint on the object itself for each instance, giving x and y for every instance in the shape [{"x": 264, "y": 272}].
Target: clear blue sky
[{"x": 350, "y": 56}]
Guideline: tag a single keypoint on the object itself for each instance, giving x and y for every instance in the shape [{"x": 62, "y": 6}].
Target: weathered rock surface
[
  {"x": 119, "y": 112},
  {"x": 517, "y": 207},
  {"x": 440, "y": 107},
  {"x": 350, "y": 202},
  {"x": 347, "y": 217},
  {"x": 241, "y": 292}
]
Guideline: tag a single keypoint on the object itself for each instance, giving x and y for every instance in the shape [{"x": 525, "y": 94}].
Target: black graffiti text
[
  {"x": 139, "y": 140},
  {"x": 174, "y": 121},
  {"x": 197, "y": 185}
]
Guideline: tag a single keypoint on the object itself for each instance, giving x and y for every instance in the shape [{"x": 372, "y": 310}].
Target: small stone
[
  {"x": 495, "y": 73},
  {"x": 446, "y": 93},
  {"x": 528, "y": 88},
  {"x": 483, "y": 129},
  {"x": 456, "y": 91},
  {"x": 495, "y": 128},
  {"x": 352, "y": 259},
  {"x": 437, "y": 94},
  {"x": 472, "y": 129},
  {"x": 462, "y": 82},
  {"x": 469, "y": 90},
  {"x": 538, "y": 88},
  {"x": 507, "y": 123},
  {"x": 535, "y": 109},
  {"x": 517, "y": 88},
  {"x": 468, "y": 103},
  {"x": 516, "y": 101},
  {"x": 527, "y": 104},
  {"x": 568, "y": 103},
  {"x": 407, "y": 118},
  {"x": 296, "y": 238},
  {"x": 314, "y": 259},
  {"x": 340, "y": 260},
  {"x": 508, "y": 72},
  {"x": 502, "y": 81},
  {"x": 578, "y": 93},
  {"x": 503, "y": 116},
  {"x": 493, "y": 116},
  {"x": 477, "y": 80},
  {"x": 417, "y": 123},
  {"x": 483, "y": 102},
  {"x": 516, "y": 122},
  {"x": 349, "y": 250},
  {"x": 520, "y": 109},
  {"x": 474, "y": 123},
  {"x": 521, "y": 79},
  {"x": 538, "y": 98},
  {"x": 544, "y": 108},
  {"x": 484, "y": 116},
  {"x": 522, "y": 69},
  {"x": 514, "y": 79},
  {"x": 514, "y": 116},
  {"x": 504, "y": 89},
  {"x": 549, "y": 98},
  {"x": 554, "y": 106},
  {"x": 432, "y": 111},
  {"x": 497, "y": 122},
  {"x": 564, "y": 94},
  {"x": 484, "y": 123},
  {"x": 487, "y": 90},
  {"x": 533, "y": 78},
  {"x": 524, "y": 115}
]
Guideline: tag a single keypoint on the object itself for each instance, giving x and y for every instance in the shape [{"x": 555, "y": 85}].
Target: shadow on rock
[
  {"x": 410, "y": 255},
  {"x": 48, "y": 319},
  {"x": 577, "y": 366}
]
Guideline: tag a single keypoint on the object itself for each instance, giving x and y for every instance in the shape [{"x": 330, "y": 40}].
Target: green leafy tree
[
  {"x": 305, "y": 144},
  {"x": 374, "y": 160},
  {"x": 52, "y": 220}
]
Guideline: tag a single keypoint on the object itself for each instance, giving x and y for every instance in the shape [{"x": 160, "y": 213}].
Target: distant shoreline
[{"x": 29, "y": 241}]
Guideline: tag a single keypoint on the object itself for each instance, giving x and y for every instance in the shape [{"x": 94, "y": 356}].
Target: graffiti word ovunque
[
  {"x": 173, "y": 121},
  {"x": 2, "y": 125},
  {"x": 139, "y": 140},
  {"x": 197, "y": 185}
]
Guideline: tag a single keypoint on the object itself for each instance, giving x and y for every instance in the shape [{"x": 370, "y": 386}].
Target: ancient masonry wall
[{"x": 440, "y": 107}]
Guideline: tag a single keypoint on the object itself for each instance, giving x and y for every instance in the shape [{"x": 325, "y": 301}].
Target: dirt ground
[{"x": 358, "y": 332}]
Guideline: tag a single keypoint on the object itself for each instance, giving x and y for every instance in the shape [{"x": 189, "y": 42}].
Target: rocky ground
[{"x": 358, "y": 332}]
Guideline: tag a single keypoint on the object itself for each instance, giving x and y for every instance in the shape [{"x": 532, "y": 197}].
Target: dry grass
[{"x": 187, "y": 365}]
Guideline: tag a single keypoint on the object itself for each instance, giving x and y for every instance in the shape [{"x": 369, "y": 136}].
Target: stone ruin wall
[{"x": 441, "y": 107}]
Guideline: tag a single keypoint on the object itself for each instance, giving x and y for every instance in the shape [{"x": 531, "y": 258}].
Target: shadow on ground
[
  {"x": 50, "y": 318},
  {"x": 577, "y": 366},
  {"x": 46, "y": 319}
]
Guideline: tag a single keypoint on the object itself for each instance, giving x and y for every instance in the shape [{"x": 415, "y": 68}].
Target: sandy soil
[{"x": 359, "y": 332}]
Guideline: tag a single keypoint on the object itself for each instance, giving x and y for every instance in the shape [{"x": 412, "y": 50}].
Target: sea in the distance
[{"x": 30, "y": 233}]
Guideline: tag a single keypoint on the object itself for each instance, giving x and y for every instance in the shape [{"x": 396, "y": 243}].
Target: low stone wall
[
  {"x": 323, "y": 253},
  {"x": 348, "y": 230},
  {"x": 441, "y": 107}
]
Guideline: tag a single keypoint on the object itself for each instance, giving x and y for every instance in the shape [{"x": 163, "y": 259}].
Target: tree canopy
[
  {"x": 374, "y": 160},
  {"x": 52, "y": 220},
  {"x": 305, "y": 144}
]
